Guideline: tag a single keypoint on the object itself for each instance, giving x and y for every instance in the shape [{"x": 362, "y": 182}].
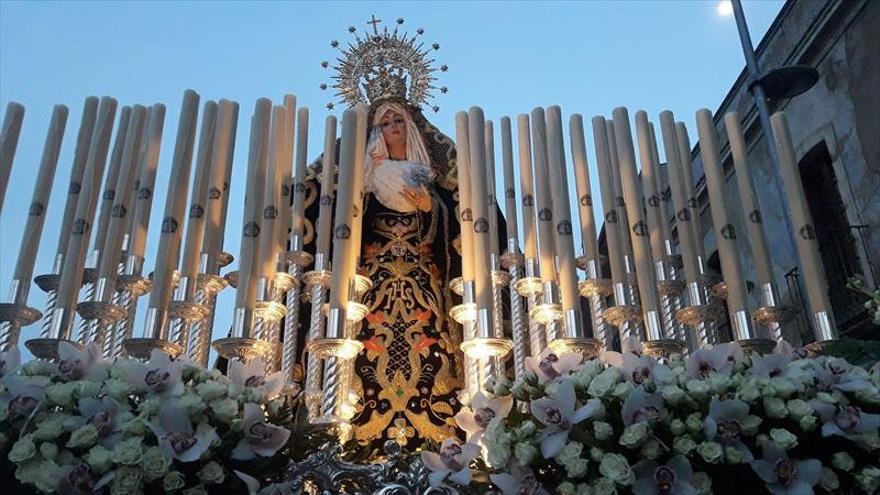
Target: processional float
[{"x": 645, "y": 288}]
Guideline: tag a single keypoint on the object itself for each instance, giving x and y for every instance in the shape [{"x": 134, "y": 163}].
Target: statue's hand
[{"x": 418, "y": 197}]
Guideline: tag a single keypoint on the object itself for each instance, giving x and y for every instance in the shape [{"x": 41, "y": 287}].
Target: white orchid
[
  {"x": 452, "y": 462},
  {"x": 784, "y": 476},
  {"x": 253, "y": 375},
  {"x": 177, "y": 437},
  {"x": 160, "y": 375},
  {"x": 76, "y": 364},
  {"x": 724, "y": 424},
  {"x": 558, "y": 415},
  {"x": 719, "y": 359},
  {"x": 672, "y": 478},
  {"x": 639, "y": 369},
  {"x": 549, "y": 366},
  {"x": 845, "y": 420},
  {"x": 641, "y": 406},
  {"x": 260, "y": 437},
  {"x": 519, "y": 481},
  {"x": 22, "y": 397},
  {"x": 483, "y": 411}
]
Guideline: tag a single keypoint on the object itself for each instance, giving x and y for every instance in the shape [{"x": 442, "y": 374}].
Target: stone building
[{"x": 835, "y": 127}]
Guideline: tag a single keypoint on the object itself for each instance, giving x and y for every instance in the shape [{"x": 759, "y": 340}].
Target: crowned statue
[{"x": 408, "y": 376}]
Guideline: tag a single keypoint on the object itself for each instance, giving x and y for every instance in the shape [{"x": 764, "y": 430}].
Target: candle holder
[
  {"x": 242, "y": 349},
  {"x": 198, "y": 345},
  {"x": 317, "y": 283},
  {"x": 142, "y": 347},
  {"x": 482, "y": 347},
  {"x": 297, "y": 261},
  {"x": 224, "y": 259},
  {"x": 337, "y": 349},
  {"x": 456, "y": 285},
  {"x": 513, "y": 262},
  {"x": 12, "y": 317},
  {"x": 772, "y": 314},
  {"x": 757, "y": 346},
  {"x": 97, "y": 315},
  {"x": 129, "y": 288},
  {"x": 620, "y": 315},
  {"x": 586, "y": 347},
  {"x": 48, "y": 283},
  {"x": 48, "y": 348},
  {"x": 664, "y": 348},
  {"x": 595, "y": 290}
]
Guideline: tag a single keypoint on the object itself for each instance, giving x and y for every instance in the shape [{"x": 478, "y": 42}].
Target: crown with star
[{"x": 381, "y": 64}]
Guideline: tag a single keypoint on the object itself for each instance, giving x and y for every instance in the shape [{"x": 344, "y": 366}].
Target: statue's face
[{"x": 393, "y": 127}]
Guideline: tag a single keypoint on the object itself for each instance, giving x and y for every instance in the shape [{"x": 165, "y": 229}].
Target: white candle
[
  {"x": 465, "y": 209},
  {"x": 77, "y": 169},
  {"x": 619, "y": 202},
  {"x": 584, "y": 195},
  {"x": 526, "y": 184},
  {"x": 343, "y": 264},
  {"x": 120, "y": 209},
  {"x": 491, "y": 199},
  {"x": 30, "y": 241},
  {"x": 563, "y": 238},
  {"x": 360, "y": 153},
  {"x": 171, "y": 231},
  {"x": 299, "y": 178},
  {"x": 609, "y": 208},
  {"x": 543, "y": 201},
  {"x": 650, "y": 170},
  {"x": 285, "y": 206},
  {"x": 221, "y": 171},
  {"x": 687, "y": 174},
  {"x": 641, "y": 250},
  {"x": 480, "y": 208},
  {"x": 659, "y": 183},
  {"x": 108, "y": 197},
  {"x": 268, "y": 245},
  {"x": 147, "y": 181},
  {"x": 750, "y": 208},
  {"x": 8, "y": 143},
  {"x": 325, "y": 207},
  {"x": 72, "y": 273},
  {"x": 246, "y": 292},
  {"x": 509, "y": 186},
  {"x": 805, "y": 233},
  {"x": 725, "y": 234}
]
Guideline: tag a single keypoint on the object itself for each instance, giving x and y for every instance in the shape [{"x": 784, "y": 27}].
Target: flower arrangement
[
  {"x": 717, "y": 421},
  {"x": 84, "y": 424}
]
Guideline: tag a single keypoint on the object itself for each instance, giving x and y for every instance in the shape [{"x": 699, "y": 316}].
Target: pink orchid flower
[
  {"x": 558, "y": 415},
  {"x": 260, "y": 437},
  {"x": 253, "y": 375},
  {"x": 549, "y": 366},
  {"x": 483, "y": 410},
  {"x": 452, "y": 462}
]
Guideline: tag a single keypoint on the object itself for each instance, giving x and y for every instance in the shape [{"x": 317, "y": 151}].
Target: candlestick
[
  {"x": 641, "y": 249},
  {"x": 220, "y": 189},
  {"x": 245, "y": 296},
  {"x": 687, "y": 176},
  {"x": 72, "y": 272},
  {"x": 167, "y": 258},
  {"x": 8, "y": 143},
  {"x": 771, "y": 313},
  {"x": 620, "y": 204},
  {"x": 130, "y": 284},
  {"x": 328, "y": 169},
  {"x": 481, "y": 225},
  {"x": 699, "y": 312},
  {"x": 108, "y": 197},
  {"x": 268, "y": 253},
  {"x": 98, "y": 310},
  {"x": 16, "y": 313},
  {"x": 49, "y": 282},
  {"x": 805, "y": 236},
  {"x": 624, "y": 314},
  {"x": 509, "y": 185},
  {"x": 725, "y": 235},
  {"x": 299, "y": 178}
]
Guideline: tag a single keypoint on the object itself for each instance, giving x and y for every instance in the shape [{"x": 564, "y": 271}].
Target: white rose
[
  {"x": 212, "y": 473},
  {"x": 783, "y": 438},
  {"x": 683, "y": 445},
  {"x": 634, "y": 435},
  {"x": 775, "y": 407},
  {"x": 128, "y": 452},
  {"x": 127, "y": 480},
  {"x": 87, "y": 388},
  {"x": 23, "y": 449},
  {"x": 750, "y": 424},
  {"x": 733, "y": 456},
  {"x": 47, "y": 476},
  {"x": 50, "y": 426},
  {"x": 843, "y": 461},
  {"x": 869, "y": 479},
  {"x": 673, "y": 394},
  {"x": 192, "y": 404},
  {"x": 602, "y": 430},
  {"x": 651, "y": 449},
  {"x": 699, "y": 387},
  {"x": 616, "y": 468},
  {"x": 621, "y": 390},
  {"x": 808, "y": 423},
  {"x": 798, "y": 408},
  {"x": 604, "y": 486},
  {"x": 603, "y": 384},
  {"x": 211, "y": 390},
  {"x": 829, "y": 481},
  {"x": 118, "y": 389},
  {"x": 711, "y": 452},
  {"x": 49, "y": 451},
  {"x": 61, "y": 394},
  {"x": 85, "y": 436},
  {"x": 525, "y": 453},
  {"x": 677, "y": 427},
  {"x": 98, "y": 458},
  {"x": 783, "y": 386},
  {"x": 155, "y": 463},
  {"x": 225, "y": 410}
]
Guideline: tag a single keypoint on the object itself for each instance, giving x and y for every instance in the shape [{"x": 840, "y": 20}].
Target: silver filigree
[{"x": 384, "y": 63}]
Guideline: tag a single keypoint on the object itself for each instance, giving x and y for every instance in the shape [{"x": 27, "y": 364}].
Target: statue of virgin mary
[{"x": 409, "y": 373}]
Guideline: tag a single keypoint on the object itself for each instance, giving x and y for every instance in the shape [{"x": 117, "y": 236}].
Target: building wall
[{"x": 840, "y": 38}]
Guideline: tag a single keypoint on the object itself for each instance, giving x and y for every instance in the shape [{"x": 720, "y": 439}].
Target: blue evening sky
[{"x": 587, "y": 57}]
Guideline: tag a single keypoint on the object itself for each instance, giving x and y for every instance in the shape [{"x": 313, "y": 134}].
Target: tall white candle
[
  {"x": 128, "y": 165},
  {"x": 659, "y": 182},
  {"x": 641, "y": 249},
  {"x": 543, "y": 201},
  {"x": 563, "y": 238},
  {"x": 360, "y": 153},
  {"x": 285, "y": 206},
  {"x": 465, "y": 208},
  {"x": 246, "y": 292},
  {"x": 805, "y": 233},
  {"x": 619, "y": 201},
  {"x": 480, "y": 208},
  {"x": 343, "y": 264},
  {"x": 171, "y": 231},
  {"x": 492, "y": 200},
  {"x": 8, "y": 143},
  {"x": 72, "y": 273},
  {"x": 509, "y": 186},
  {"x": 527, "y": 190},
  {"x": 77, "y": 169},
  {"x": 687, "y": 175},
  {"x": 589, "y": 239},
  {"x": 197, "y": 223},
  {"x": 650, "y": 170},
  {"x": 299, "y": 178},
  {"x": 725, "y": 233},
  {"x": 147, "y": 181},
  {"x": 218, "y": 189},
  {"x": 328, "y": 178},
  {"x": 30, "y": 241},
  {"x": 268, "y": 246},
  {"x": 609, "y": 207},
  {"x": 108, "y": 197}
]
